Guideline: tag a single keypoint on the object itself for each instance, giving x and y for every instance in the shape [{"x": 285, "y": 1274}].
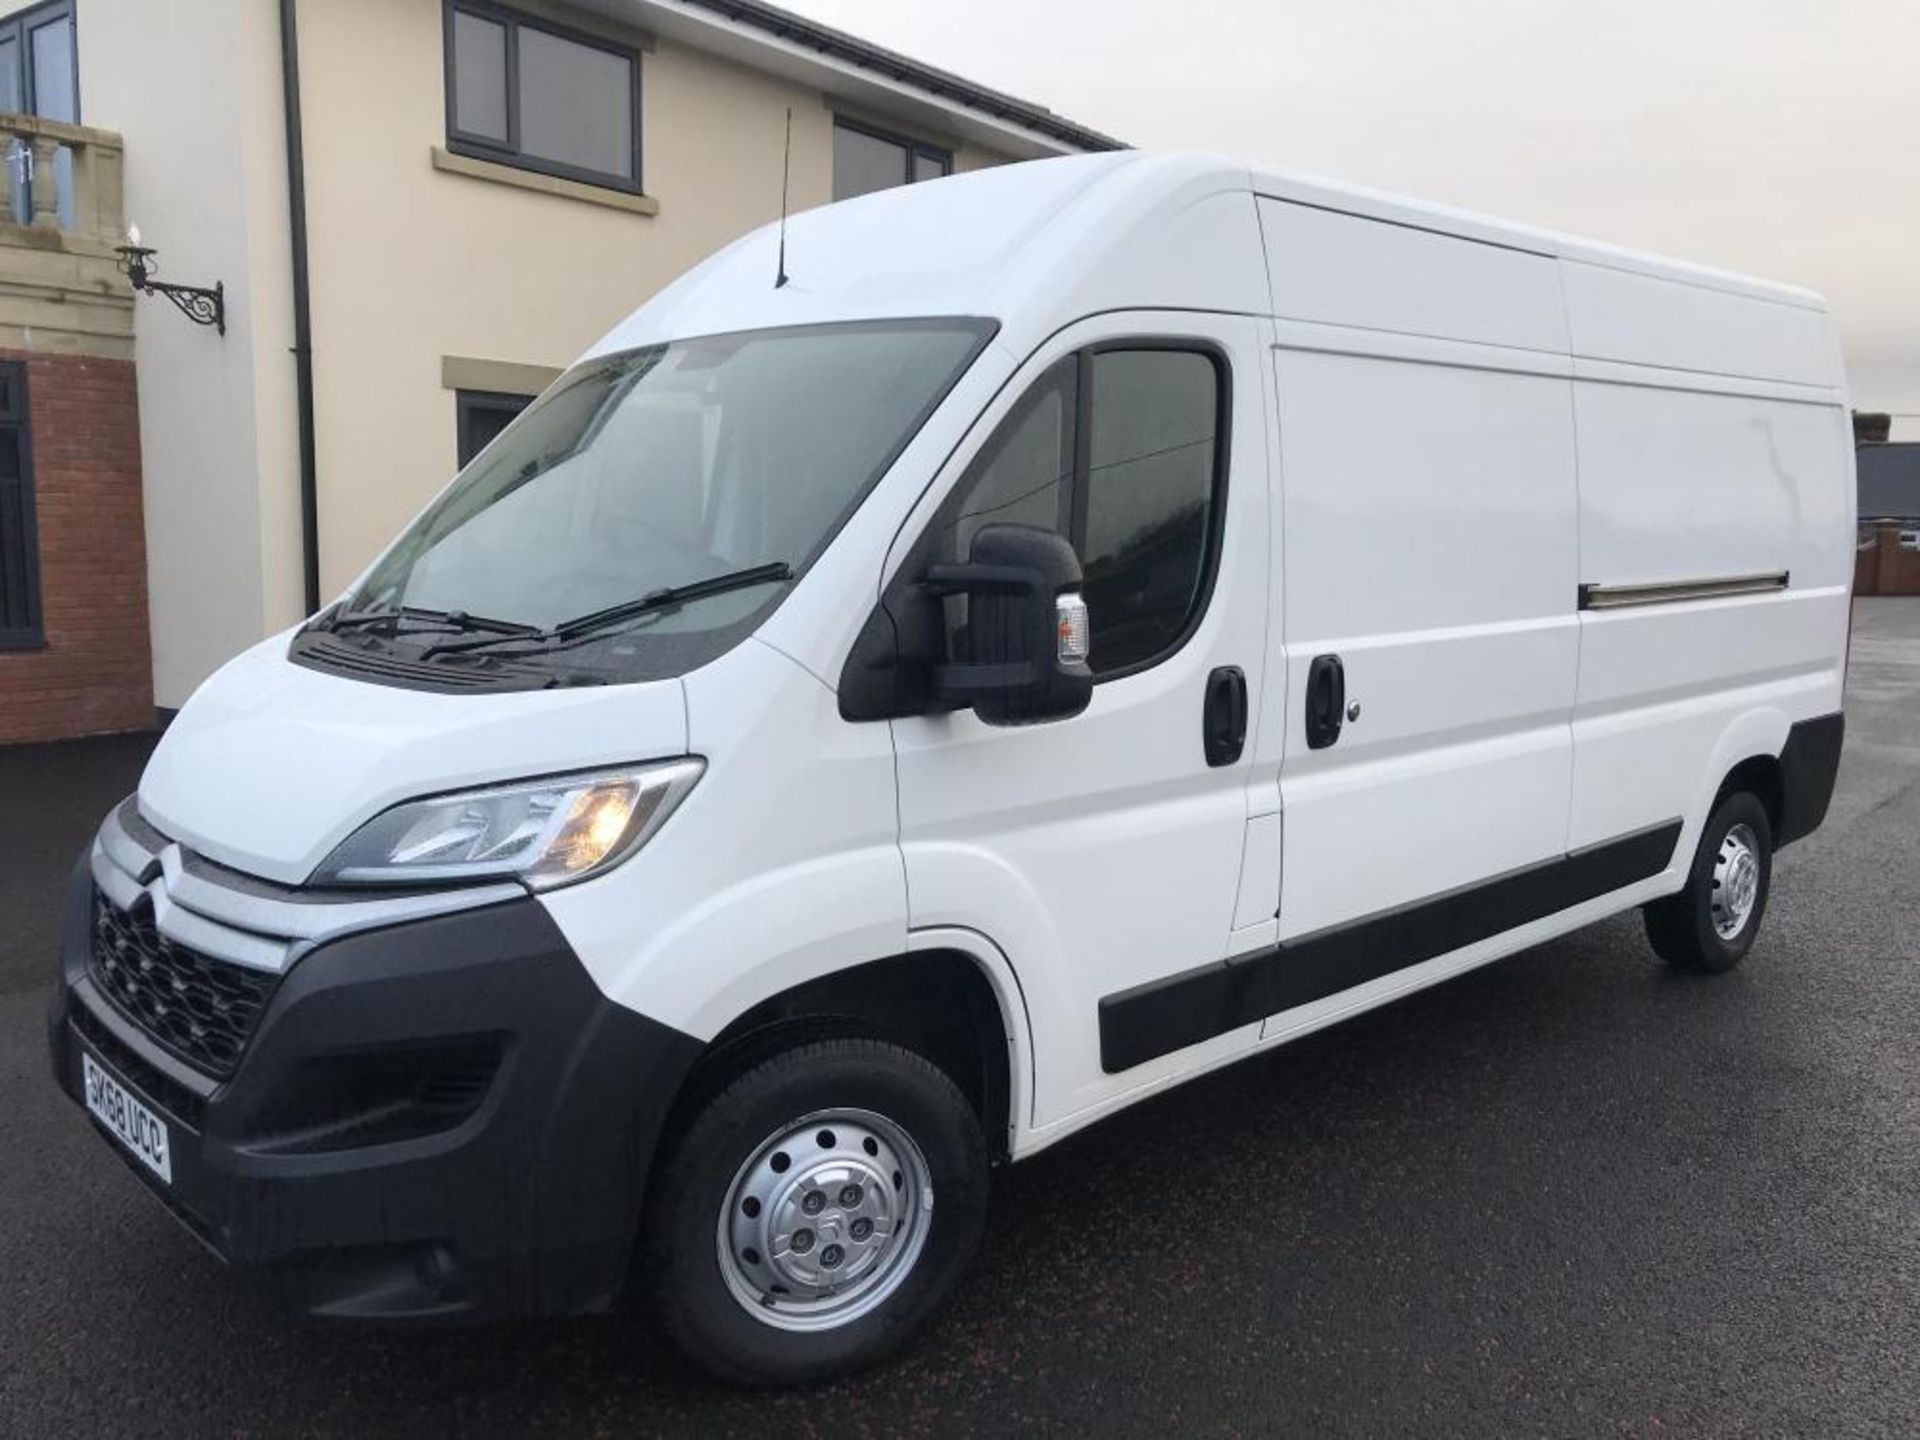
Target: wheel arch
[
  {"x": 950, "y": 995},
  {"x": 1763, "y": 777},
  {"x": 1747, "y": 758}
]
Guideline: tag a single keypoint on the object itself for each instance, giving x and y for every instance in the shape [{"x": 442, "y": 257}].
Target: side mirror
[{"x": 1027, "y": 628}]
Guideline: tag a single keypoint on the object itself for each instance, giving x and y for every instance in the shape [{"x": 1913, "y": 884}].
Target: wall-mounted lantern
[{"x": 198, "y": 303}]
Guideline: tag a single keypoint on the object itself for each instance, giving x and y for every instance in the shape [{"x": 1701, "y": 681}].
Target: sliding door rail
[{"x": 1672, "y": 592}]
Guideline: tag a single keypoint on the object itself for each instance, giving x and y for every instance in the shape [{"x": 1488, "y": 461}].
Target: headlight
[{"x": 542, "y": 832}]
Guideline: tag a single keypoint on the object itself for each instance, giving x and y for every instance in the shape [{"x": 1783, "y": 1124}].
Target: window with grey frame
[
  {"x": 20, "y": 620},
  {"x": 866, "y": 160},
  {"x": 39, "y": 75},
  {"x": 480, "y": 415},
  {"x": 526, "y": 92}
]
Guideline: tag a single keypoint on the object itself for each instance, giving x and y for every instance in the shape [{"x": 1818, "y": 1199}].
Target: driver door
[{"x": 1107, "y": 854}]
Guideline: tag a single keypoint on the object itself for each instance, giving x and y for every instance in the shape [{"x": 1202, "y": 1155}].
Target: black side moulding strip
[{"x": 1163, "y": 1016}]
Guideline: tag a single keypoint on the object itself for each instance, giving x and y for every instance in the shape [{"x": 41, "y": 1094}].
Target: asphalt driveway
[{"x": 1572, "y": 1194}]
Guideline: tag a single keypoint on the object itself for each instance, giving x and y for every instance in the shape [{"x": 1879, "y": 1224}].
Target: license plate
[{"x": 132, "y": 1124}]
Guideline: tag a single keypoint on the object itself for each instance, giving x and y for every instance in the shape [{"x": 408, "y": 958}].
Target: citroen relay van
[{"x": 1097, "y": 620}]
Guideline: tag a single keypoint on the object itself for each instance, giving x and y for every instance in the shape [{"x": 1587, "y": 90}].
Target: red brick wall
[
  {"x": 95, "y": 672},
  {"x": 1888, "y": 569},
  {"x": 1866, "y": 569}
]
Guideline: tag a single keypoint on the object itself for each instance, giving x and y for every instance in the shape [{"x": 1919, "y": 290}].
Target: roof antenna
[{"x": 786, "y": 172}]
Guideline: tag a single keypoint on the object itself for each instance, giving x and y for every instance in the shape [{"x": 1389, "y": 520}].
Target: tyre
[
  {"x": 794, "y": 1233},
  {"x": 1710, "y": 925}
]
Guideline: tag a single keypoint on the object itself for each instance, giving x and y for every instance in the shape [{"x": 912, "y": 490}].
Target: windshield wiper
[
  {"x": 594, "y": 621},
  {"x": 669, "y": 595},
  {"x": 457, "y": 620}
]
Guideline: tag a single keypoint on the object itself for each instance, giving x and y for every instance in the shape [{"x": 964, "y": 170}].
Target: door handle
[
  {"x": 1326, "y": 700},
  {"x": 1223, "y": 725}
]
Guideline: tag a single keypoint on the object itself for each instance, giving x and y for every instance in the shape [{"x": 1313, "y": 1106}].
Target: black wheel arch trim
[{"x": 1809, "y": 763}]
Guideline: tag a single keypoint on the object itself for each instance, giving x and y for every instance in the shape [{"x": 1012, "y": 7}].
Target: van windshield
[{"x": 671, "y": 466}]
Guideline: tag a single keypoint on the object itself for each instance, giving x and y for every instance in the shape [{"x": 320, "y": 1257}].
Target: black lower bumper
[{"x": 444, "y": 1119}]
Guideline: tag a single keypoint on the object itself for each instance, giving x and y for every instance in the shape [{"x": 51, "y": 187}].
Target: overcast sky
[{"x": 1778, "y": 137}]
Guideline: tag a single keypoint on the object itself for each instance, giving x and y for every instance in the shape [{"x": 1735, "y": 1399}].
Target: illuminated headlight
[{"x": 541, "y": 832}]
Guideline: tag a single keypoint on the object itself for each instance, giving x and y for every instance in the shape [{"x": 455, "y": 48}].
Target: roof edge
[{"x": 890, "y": 64}]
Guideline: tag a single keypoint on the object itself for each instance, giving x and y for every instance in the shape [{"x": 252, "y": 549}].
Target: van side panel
[
  {"x": 1344, "y": 270},
  {"x": 1649, "y": 320},
  {"x": 1690, "y": 478},
  {"x": 1678, "y": 485},
  {"x": 781, "y": 866}
]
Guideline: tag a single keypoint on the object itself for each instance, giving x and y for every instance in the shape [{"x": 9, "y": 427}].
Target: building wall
[
  {"x": 66, "y": 315},
  {"x": 93, "y": 673},
  {"x": 193, "y": 87},
  {"x": 1884, "y": 566},
  {"x": 412, "y": 264}
]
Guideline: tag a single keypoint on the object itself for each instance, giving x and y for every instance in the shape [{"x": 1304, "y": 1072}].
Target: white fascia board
[{"x": 838, "y": 79}]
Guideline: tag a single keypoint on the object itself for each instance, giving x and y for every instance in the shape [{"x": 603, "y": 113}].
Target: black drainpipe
[{"x": 302, "y": 303}]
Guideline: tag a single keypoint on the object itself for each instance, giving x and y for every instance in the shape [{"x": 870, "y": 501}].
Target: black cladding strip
[{"x": 1163, "y": 1016}]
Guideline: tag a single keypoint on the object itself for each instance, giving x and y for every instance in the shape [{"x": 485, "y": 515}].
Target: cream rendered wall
[
  {"x": 205, "y": 180},
  {"x": 269, "y": 239},
  {"x": 411, "y": 264}
]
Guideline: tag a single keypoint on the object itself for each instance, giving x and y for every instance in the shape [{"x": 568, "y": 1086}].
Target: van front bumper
[{"x": 440, "y": 1119}]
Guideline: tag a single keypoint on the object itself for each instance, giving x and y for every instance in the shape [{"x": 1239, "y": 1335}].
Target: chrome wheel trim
[
  {"x": 1736, "y": 881},
  {"x": 825, "y": 1220}
]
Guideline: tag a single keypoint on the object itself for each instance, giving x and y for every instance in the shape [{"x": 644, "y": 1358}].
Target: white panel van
[{"x": 1098, "y": 619}]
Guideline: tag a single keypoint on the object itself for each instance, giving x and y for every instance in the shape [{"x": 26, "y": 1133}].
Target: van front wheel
[
  {"x": 795, "y": 1233},
  {"x": 1710, "y": 925}
]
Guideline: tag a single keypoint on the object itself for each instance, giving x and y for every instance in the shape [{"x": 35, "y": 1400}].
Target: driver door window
[{"x": 1118, "y": 448}]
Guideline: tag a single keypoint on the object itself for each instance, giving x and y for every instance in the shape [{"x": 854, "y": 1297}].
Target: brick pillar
[{"x": 95, "y": 671}]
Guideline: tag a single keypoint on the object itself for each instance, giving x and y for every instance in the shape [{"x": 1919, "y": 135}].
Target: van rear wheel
[
  {"x": 794, "y": 1233},
  {"x": 1711, "y": 924}
]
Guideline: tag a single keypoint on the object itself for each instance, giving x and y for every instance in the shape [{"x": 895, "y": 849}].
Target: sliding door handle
[{"x": 1326, "y": 700}]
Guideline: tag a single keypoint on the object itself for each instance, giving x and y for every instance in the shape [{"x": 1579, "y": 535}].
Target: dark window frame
[
  {"x": 31, "y": 635},
  {"x": 20, "y": 27},
  {"x": 466, "y": 402},
  {"x": 482, "y": 147},
  {"x": 1216, "y": 494},
  {"x": 915, "y": 149},
  {"x": 1080, "y": 477}
]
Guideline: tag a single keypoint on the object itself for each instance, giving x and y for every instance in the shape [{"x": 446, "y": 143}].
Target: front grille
[{"x": 201, "y": 1009}]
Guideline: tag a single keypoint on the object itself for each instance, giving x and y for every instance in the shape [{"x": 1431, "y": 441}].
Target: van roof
[
  {"x": 1040, "y": 242},
  {"x": 1428, "y": 215}
]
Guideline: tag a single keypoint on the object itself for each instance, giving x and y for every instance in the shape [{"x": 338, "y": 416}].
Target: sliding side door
[{"x": 1429, "y": 564}]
